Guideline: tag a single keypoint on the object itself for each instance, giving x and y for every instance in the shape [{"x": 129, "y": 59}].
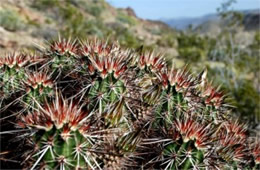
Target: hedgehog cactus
[{"x": 94, "y": 105}]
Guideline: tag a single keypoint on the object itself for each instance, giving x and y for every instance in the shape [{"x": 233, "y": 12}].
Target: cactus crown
[{"x": 94, "y": 105}]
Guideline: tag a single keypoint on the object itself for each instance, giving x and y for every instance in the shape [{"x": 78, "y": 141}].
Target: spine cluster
[{"x": 93, "y": 105}]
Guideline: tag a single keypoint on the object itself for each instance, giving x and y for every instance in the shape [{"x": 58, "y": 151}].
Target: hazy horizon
[{"x": 174, "y": 9}]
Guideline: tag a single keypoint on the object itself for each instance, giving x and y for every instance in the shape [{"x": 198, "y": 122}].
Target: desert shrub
[
  {"x": 93, "y": 9},
  {"x": 45, "y": 4},
  {"x": 167, "y": 40},
  {"x": 10, "y": 20},
  {"x": 192, "y": 47},
  {"x": 121, "y": 17}
]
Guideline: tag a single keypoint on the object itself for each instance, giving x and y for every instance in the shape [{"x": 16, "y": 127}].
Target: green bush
[
  {"x": 167, "y": 40},
  {"x": 192, "y": 47},
  {"x": 45, "y": 4},
  {"x": 94, "y": 10},
  {"x": 11, "y": 21},
  {"x": 121, "y": 17},
  {"x": 127, "y": 38}
]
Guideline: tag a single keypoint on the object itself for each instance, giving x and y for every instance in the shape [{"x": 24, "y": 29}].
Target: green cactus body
[
  {"x": 184, "y": 156},
  {"x": 67, "y": 152},
  {"x": 11, "y": 78},
  {"x": 93, "y": 105}
]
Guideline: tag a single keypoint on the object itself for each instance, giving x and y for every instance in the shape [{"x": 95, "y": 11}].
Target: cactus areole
[{"x": 94, "y": 105}]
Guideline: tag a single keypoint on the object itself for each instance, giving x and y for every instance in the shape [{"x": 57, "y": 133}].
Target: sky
[{"x": 157, "y": 9}]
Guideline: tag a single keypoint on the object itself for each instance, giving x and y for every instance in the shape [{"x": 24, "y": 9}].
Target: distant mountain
[
  {"x": 184, "y": 23},
  {"x": 251, "y": 21}
]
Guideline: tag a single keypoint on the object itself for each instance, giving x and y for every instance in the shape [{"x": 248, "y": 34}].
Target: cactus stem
[{"x": 43, "y": 152}]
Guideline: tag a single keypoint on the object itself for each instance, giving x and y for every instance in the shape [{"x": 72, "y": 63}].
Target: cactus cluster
[{"x": 94, "y": 105}]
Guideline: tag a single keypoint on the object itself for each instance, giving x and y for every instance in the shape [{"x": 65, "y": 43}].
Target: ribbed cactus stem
[
  {"x": 64, "y": 151},
  {"x": 93, "y": 105},
  {"x": 184, "y": 156}
]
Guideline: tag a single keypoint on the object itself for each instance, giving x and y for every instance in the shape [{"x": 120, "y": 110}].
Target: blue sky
[{"x": 155, "y": 9}]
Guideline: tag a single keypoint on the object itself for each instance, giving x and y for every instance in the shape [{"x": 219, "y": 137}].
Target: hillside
[{"x": 26, "y": 23}]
